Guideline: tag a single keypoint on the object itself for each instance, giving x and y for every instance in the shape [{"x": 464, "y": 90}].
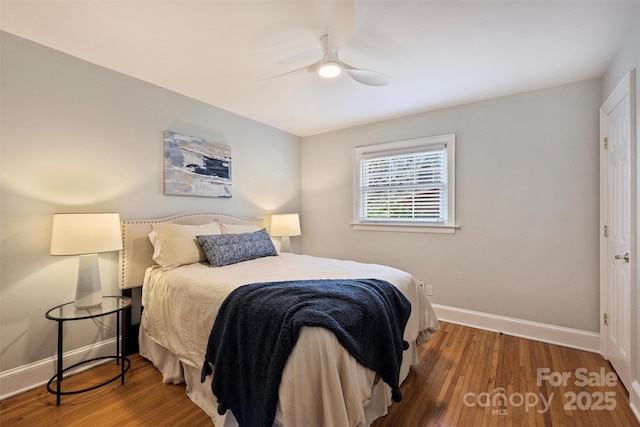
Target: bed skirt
[{"x": 176, "y": 371}]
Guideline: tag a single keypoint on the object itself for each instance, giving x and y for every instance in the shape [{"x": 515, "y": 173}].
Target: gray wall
[
  {"x": 527, "y": 198},
  {"x": 627, "y": 59},
  {"x": 76, "y": 137}
]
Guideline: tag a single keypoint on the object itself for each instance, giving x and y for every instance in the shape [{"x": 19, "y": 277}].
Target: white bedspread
[{"x": 180, "y": 306}]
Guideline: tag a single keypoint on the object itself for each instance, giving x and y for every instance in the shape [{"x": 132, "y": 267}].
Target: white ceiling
[{"x": 439, "y": 53}]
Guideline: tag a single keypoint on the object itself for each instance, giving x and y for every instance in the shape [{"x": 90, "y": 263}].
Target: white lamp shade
[
  {"x": 285, "y": 225},
  {"x": 77, "y": 234}
]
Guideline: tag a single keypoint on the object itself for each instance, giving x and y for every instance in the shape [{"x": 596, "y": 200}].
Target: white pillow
[
  {"x": 237, "y": 228},
  {"x": 176, "y": 244},
  {"x": 156, "y": 248}
]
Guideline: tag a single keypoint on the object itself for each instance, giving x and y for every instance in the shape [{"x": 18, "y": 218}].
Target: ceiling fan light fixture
[{"x": 330, "y": 69}]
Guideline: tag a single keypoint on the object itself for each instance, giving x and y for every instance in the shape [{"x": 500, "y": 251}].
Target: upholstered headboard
[{"x": 136, "y": 254}]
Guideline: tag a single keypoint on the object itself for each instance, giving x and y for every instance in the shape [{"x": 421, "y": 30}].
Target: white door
[{"x": 615, "y": 122}]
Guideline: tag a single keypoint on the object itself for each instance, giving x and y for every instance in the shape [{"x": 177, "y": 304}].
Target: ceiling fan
[{"x": 330, "y": 65}]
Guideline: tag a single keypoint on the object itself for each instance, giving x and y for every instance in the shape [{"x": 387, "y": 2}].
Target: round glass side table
[{"x": 68, "y": 312}]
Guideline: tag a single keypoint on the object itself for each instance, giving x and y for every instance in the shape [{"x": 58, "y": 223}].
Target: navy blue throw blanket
[{"x": 258, "y": 325}]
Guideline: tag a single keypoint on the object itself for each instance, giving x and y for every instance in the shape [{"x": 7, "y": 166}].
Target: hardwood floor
[
  {"x": 456, "y": 383},
  {"x": 462, "y": 371}
]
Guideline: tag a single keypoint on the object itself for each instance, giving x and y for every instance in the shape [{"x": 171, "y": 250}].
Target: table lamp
[
  {"x": 284, "y": 226},
  {"x": 86, "y": 235}
]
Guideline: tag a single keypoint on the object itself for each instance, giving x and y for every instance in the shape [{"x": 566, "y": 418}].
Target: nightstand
[{"x": 68, "y": 312}]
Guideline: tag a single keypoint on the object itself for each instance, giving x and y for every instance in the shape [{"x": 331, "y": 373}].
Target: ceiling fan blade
[
  {"x": 342, "y": 23},
  {"x": 305, "y": 68},
  {"x": 367, "y": 77}
]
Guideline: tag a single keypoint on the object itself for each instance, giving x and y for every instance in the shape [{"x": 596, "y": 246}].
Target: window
[{"x": 408, "y": 184}]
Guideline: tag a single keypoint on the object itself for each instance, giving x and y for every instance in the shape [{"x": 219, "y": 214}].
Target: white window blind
[
  {"x": 407, "y": 187},
  {"x": 406, "y": 183}
]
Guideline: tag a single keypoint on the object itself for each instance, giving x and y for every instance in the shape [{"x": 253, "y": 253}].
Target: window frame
[{"x": 404, "y": 147}]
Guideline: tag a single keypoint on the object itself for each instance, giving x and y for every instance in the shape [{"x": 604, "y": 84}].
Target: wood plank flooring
[
  {"x": 457, "y": 382},
  {"x": 463, "y": 371}
]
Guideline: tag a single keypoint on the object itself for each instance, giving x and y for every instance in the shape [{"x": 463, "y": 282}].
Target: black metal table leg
[{"x": 59, "y": 376}]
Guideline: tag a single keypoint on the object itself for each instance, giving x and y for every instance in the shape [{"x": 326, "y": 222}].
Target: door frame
[{"x": 624, "y": 88}]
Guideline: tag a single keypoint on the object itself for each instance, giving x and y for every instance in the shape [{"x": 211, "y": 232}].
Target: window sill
[{"x": 404, "y": 228}]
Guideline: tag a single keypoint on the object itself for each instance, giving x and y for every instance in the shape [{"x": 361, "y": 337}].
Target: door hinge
[
  {"x": 606, "y": 231},
  {"x": 606, "y": 143},
  {"x": 606, "y": 319}
]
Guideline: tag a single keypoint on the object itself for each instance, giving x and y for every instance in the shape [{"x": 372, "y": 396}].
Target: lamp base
[
  {"x": 88, "y": 288},
  {"x": 285, "y": 244}
]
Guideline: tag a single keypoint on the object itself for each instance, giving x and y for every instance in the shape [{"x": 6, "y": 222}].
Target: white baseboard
[
  {"x": 567, "y": 337},
  {"x": 27, "y": 377},
  {"x": 634, "y": 397}
]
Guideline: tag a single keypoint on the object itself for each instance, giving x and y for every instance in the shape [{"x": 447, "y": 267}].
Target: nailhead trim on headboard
[{"x": 136, "y": 254}]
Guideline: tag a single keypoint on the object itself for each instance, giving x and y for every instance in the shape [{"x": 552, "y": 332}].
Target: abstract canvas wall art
[{"x": 196, "y": 167}]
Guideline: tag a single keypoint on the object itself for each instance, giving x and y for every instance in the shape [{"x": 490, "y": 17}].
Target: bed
[{"x": 321, "y": 384}]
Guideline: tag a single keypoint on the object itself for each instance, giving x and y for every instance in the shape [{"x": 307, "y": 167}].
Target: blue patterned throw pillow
[{"x": 225, "y": 249}]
